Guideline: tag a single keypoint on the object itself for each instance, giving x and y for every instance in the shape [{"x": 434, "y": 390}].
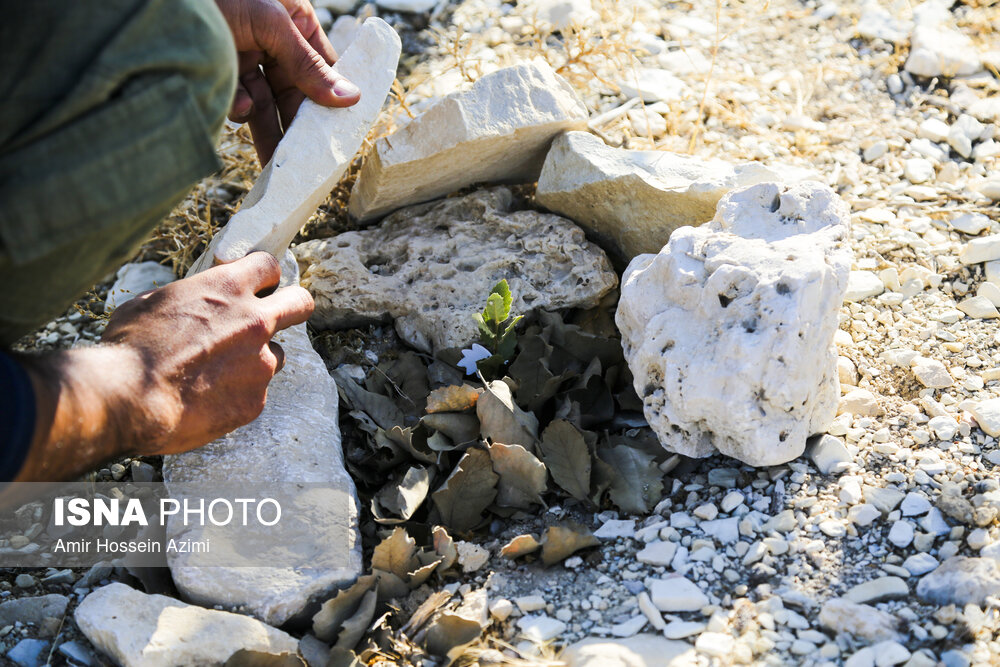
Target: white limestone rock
[
  {"x": 643, "y": 650},
  {"x": 987, "y": 415},
  {"x": 139, "y": 630},
  {"x": 343, "y": 32},
  {"x": 653, "y": 85},
  {"x": 559, "y": 14},
  {"x": 312, "y": 156},
  {"x": 860, "y": 620},
  {"x": 295, "y": 442},
  {"x": 937, "y": 48},
  {"x": 496, "y": 132},
  {"x": 628, "y": 201},
  {"x": 134, "y": 279},
  {"x": 729, "y": 330},
  {"x": 961, "y": 580},
  {"x": 676, "y": 594},
  {"x": 430, "y": 267},
  {"x": 409, "y": 6}
]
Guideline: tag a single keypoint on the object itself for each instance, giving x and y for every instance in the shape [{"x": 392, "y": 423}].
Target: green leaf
[
  {"x": 488, "y": 338},
  {"x": 494, "y": 313},
  {"x": 508, "y": 340},
  {"x": 503, "y": 290}
]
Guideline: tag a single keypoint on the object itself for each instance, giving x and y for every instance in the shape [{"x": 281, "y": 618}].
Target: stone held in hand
[
  {"x": 313, "y": 155},
  {"x": 295, "y": 442},
  {"x": 430, "y": 267},
  {"x": 630, "y": 201},
  {"x": 140, "y": 630},
  {"x": 729, "y": 330},
  {"x": 496, "y": 132}
]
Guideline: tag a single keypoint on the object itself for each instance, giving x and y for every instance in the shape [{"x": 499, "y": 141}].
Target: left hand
[{"x": 284, "y": 57}]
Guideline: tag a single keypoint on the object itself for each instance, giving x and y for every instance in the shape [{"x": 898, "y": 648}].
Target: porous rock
[
  {"x": 496, "y": 132},
  {"x": 630, "y": 201},
  {"x": 729, "y": 330},
  {"x": 431, "y": 266},
  {"x": 274, "y": 572},
  {"x": 140, "y": 630},
  {"x": 312, "y": 156}
]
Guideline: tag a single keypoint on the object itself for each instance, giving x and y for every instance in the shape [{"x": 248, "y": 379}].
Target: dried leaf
[
  {"x": 390, "y": 586},
  {"x": 449, "y": 631},
  {"x": 424, "y": 612},
  {"x": 601, "y": 477},
  {"x": 522, "y": 545},
  {"x": 501, "y": 420},
  {"x": 402, "y": 498},
  {"x": 422, "y": 574},
  {"x": 536, "y": 383},
  {"x": 568, "y": 458},
  {"x": 637, "y": 483},
  {"x": 522, "y": 476},
  {"x": 381, "y": 409},
  {"x": 455, "y": 398},
  {"x": 469, "y": 490},
  {"x": 396, "y": 554},
  {"x": 439, "y": 442},
  {"x": 354, "y": 628},
  {"x": 247, "y": 658},
  {"x": 563, "y": 541},
  {"x": 444, "y": 546},
  {"x": 460, "y": 428},
  {"x": 412, "y": 441},
  {"x": 341, "y": 657},
  {"x": 404, "y": 380},
  {"x": 327, "y": 622}
]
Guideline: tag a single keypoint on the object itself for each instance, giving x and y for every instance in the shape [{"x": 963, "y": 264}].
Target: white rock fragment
[
  {"x": 860, "y": 620},
  {"x": 829, "y": 455},
  {"x": 312, "y": 156},
  {"x": 631, "y": 201},
  {"x": 901, "y": 534},
  {"x": 731, "y": 501},
  {"x": 134, "y": 279},
  {"x": 429, "y": 267},
  {"x": 653, "y": 85},
  {"x": 961, "y": 580},
  {"x": 682, "y": 629},
  {"x": 944, "y": 427},
  {"x": 914, "y": 504},
  {"x": 715, "y": 644},
  {"x": 630, "y": 627},
  {"x": 676, "y": 594},
  {"x": 540, "y": 628},
  {"x": 560, "y": 14},
  {"x": 931, "y": 373},
  {"x": 918, "y": 170},
  {"x": 343, "y": 32},
  {"x": 919, "y": 564},
  {"x": 140, "y": 630},
  {"x": 657, "y": 554},
  {"x": 859, "y": 402},
  {"x": 876, "y": 590},
  {"x": 862, "y": 285},
  {"x": 983, "y": 249},
  {"x": 938, "y": 49},
  {"x": 501, "y": 609},
  {"x": 987, "y": 415},
  {"x": 530, "y": 603},
  {"x": 616, "y": 528},
  {"x": 291, "y": 451},
  {"x": 979, "y": 307},
  {"x": 643, "y": 650},
  {"x": 890, "y": 652},
  {"x": 933, "y": 129},
  {"x": 768, "y": 273},
  {"x": 970, "y": 223},
  {"x": 863, "y": 515},
  {"x": 498, "y": 131},
  {"x": 410, "y": 6},
  {"x": 471, "y": 557}
]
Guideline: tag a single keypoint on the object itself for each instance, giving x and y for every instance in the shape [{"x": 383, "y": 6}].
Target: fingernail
[{"x": 344, "y": 88}]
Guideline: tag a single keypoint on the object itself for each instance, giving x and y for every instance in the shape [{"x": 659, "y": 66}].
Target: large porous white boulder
[
  {"x": 292, "y": 451},
  {"x": 312, "y": 156},
  {"x": 430, "y": 268},
  {"x": 729, "y": 330},
  {"x": 139, "y": 630},
  {"x": 630, "y": 201},
  {"x": 496, "y": 132}
]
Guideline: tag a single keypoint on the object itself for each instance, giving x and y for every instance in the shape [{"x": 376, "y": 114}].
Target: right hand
[
  {"x": 201, "y": 351},
  {"x": 284, "y": 57}
]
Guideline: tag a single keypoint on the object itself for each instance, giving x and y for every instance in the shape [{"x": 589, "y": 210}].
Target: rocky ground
[{"x": 832, "y": 558}]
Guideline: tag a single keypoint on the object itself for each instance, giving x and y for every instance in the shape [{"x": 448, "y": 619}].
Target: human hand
[
  {"x": 201, "y": 351},
  {"x": 284, "y": 57}
]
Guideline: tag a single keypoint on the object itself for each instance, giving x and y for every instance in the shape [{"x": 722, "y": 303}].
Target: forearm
[{"x": 81, "y": 413}]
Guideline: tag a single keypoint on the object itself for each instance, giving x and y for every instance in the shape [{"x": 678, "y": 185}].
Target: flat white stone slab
[
  {"x": 312, "y": 156},
  {"x": 496, "y": 132}
]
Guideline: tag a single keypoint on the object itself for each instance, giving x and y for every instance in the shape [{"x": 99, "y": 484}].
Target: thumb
[{"x": 305, "y": 68}]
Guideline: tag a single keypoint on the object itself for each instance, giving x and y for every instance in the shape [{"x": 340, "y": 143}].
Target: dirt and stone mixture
[{"x": 878, "y": 546}]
